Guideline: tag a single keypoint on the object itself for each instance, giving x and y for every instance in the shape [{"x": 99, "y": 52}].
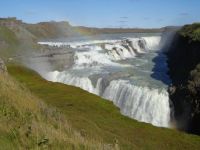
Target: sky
[{"x": 105, "y": 13}]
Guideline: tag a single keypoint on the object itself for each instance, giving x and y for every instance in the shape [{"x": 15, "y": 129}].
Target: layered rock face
[{"x": 184, "y": 70}]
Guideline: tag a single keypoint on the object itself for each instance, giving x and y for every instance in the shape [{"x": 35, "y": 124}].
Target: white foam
[
  {"x": 141, "y": 103},
  {"x": 77, "y": 44},
  {"x": 92, "y": 59},
  {"x": 153, "y": 42},
  {"x": 70, "y": 79},
  {"x": 118, "y": 52}
]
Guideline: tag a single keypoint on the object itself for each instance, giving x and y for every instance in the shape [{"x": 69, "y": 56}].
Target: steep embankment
[
  {"x": 8, "y": 41},
  {"x": 15, "y": 39},
  {"x": 184, "y": 69},
  {"x": 26, "y": 122},
  {"x": 97, "y": 118}
]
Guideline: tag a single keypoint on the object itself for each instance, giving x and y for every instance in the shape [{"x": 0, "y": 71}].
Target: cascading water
[
  {"x": 121, "y": 70},
  {"x": 141, "y": 103}
]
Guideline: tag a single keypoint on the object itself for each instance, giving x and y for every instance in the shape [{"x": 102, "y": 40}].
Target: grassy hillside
[
  {"x": 8, "y": 36},
  {"x": 16, "y": 40},
  {"x": 97, "y": 118},
  {"x": 8, "y": 41},
  {"x": 28, "y": 123},
  {"x": 48, "y": 30}
]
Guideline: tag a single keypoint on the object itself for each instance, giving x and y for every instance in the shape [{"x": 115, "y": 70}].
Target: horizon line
[{"x": 71, "y": 24}]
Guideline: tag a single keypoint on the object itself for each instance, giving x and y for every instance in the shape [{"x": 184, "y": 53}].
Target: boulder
[{"x": 3, "y": 68}]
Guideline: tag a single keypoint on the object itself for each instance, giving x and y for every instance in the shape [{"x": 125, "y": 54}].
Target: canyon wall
[{"x": 184, "y": 70}]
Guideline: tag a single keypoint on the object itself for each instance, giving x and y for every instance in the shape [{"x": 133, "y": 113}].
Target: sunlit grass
[
  {"x": 97, "y": 118},
  {"x": 26, "y": 122}
]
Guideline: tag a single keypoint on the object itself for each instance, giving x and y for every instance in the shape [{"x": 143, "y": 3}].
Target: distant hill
[
  {"x": 52, "y": 29},
  {"x": 123, "y": 30},
  {"x": 17, "y": 37}
]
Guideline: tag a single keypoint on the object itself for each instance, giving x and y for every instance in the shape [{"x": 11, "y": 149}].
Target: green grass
[
  {"x": 8, "y": 36},
  {"x": 191, "y": 31},
  {"x": 28, "y": 123},
  {"x": 8, "y": 42},
  {"x": 16, "y": 40},
  {"x": 97, "y": 118}
]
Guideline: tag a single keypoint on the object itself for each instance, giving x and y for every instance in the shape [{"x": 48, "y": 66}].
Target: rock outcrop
[
  {"x": 184, "y": 70},
  {"x": 3, "y": 68}
]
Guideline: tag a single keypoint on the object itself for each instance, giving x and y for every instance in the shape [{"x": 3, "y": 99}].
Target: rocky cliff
[{"x": 184, "y": 70}]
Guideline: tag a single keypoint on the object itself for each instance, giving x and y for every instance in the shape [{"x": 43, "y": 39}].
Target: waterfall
[
  {"x": 70, "y": 79},
  {"x": 140, "y": 103},
  {"x": 143, "y": 102}
]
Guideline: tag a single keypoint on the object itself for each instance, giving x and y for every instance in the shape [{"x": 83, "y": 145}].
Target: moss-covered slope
[
  {"x": 26, "y": 122},
  {"x": 97, "y": 118}
]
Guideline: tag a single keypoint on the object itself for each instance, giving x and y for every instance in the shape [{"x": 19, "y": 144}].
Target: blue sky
[{"x": 105, "y": 13}]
